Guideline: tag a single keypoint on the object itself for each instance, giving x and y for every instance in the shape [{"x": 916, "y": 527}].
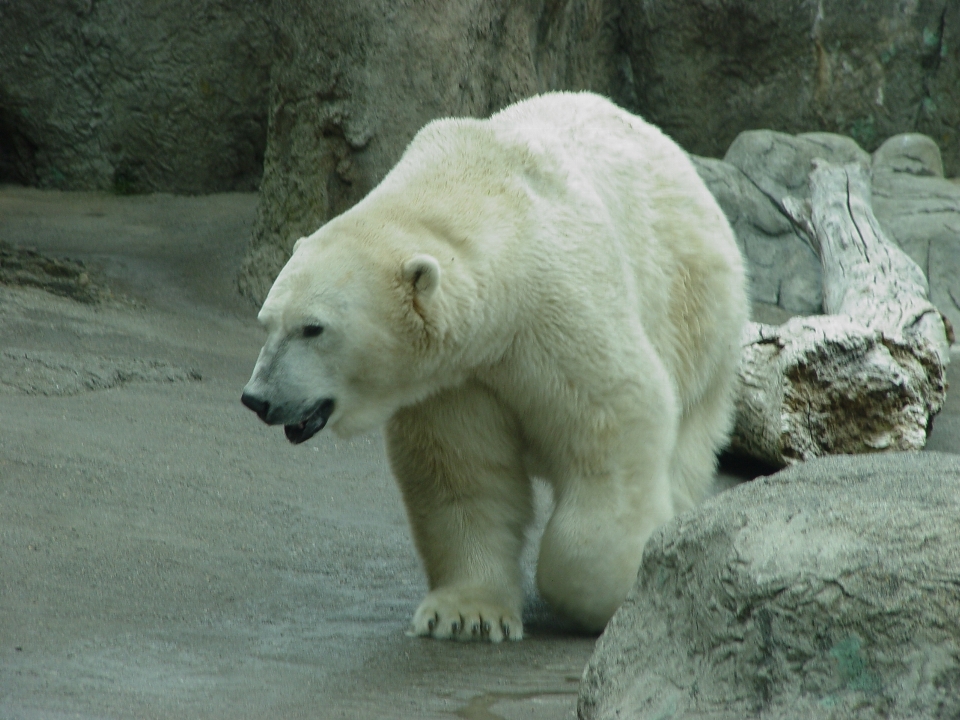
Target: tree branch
[{"x": 869, "y": 375}]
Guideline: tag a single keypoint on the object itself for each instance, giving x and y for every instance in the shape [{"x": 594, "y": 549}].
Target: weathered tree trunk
[{"x": 867, "y": 376}]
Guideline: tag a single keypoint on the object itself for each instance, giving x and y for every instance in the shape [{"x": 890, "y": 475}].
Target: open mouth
[{"x": 314, "y": 423}]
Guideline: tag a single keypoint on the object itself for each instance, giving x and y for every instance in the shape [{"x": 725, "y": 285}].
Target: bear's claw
[{"x": 446, "y": 615}]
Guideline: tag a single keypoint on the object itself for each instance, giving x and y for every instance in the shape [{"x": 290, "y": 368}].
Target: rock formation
[
  {"x": 134, "y": 97},
  {"x": 355, "y": 81},
  {"x": 176, "y": 96},
  {"x": 915, "y": 205},
  {"x": 350, "y": 89},
  {"x": 828, "y": 590},
  {"x": 706, "y": 70}
]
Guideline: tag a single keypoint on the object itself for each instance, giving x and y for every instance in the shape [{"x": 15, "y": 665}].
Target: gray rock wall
[
  {"x": 353, "y": 89},
  {"x": 705, "y": 71},
  {"x": 355, "y": 81},
  {"x": 133, "y": 95},
  {"x": 921, "y": 211}
]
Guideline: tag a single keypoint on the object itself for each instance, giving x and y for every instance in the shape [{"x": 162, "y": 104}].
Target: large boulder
[
  {"x": 760, "y": 169},
  {"x": 781, "y": 268},
  {"x": 915, "y": 205},
  {"x": 921, "y": 211},
  {"x": 354, "y": 81},
  {"x": 706, "y": 70},
  {"x": 134, "y": 97},
  {"x": 829, "y": 590}
]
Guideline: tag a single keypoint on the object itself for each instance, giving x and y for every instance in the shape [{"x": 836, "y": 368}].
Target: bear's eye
[{"x": 312, "y": 331}]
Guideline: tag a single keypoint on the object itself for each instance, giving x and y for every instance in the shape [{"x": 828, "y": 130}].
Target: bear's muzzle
[
  {"x": 296, "y": 430},
  {"x": 315, "y": 422}
]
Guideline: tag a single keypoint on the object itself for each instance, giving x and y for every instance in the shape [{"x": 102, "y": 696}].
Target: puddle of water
[{"x": 550, "y": 705}]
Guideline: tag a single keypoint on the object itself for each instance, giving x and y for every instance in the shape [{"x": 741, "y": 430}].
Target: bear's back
[
  {"x": 665, "y": 223},
  {"x": 573, "y": 202}
]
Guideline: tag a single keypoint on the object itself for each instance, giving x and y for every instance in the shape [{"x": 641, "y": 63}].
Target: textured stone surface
[
  {"x": 760, "y": 169},
  {"x": 350, "y": 90},
  {"x": 706, "y": 70},
  {"x": 33, "y": 372},
  {"x": 60, "y": 276},
  {"x": 825, "y": 591},
  {"x": 915, "y": 205},
  {"x": 782, "y": 269},
  {"x": 779, "y": 164},
  {"x": 133, "y": 96},
  {"x": 921, "y": 211}
]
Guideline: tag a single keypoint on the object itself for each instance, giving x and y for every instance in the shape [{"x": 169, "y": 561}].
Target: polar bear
[{"x": 551, "y": 292}]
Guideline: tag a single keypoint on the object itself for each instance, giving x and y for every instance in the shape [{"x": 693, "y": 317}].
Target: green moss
[
  {"x": 122, "y": 184},
  {"x": 53, "y": 178},
  {"x": 852, "y": 666},
  {"x": 864, "y": 131},
  {"x": 127, "y": 177}
]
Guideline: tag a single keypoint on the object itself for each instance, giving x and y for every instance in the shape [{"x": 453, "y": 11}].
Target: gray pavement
[{"x": 163, "y": 554}]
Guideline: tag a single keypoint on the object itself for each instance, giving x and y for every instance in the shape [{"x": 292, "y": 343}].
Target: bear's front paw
[{"x": 458, "y": 614}]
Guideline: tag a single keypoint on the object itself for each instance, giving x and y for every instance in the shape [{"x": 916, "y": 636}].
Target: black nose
[{"x": 259, "y": 406}]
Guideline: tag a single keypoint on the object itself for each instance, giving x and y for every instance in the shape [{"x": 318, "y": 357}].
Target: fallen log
[{"x": 867, "y": 376}]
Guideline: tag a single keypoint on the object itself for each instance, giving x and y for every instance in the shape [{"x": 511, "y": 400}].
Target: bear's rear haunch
[{"x": 552, "y": 292}]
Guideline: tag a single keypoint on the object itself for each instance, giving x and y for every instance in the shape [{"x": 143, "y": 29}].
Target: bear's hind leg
[
  {"x": 592, "y": 547},
  {"x": 457, "y": 458},
  {"x": 606, "y": 506}
]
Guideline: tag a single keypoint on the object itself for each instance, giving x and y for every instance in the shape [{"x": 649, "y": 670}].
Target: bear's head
[{"x": 349, "y": 321}]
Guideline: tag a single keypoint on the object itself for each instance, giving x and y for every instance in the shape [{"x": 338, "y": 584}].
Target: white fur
[{"x": 549, "y": 292}]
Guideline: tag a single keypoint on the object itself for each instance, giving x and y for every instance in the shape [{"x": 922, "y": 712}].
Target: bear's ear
[{"x": 422, "y": 272}]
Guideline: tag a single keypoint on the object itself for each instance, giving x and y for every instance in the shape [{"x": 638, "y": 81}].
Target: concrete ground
[{"x": 163, "y": 554}]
